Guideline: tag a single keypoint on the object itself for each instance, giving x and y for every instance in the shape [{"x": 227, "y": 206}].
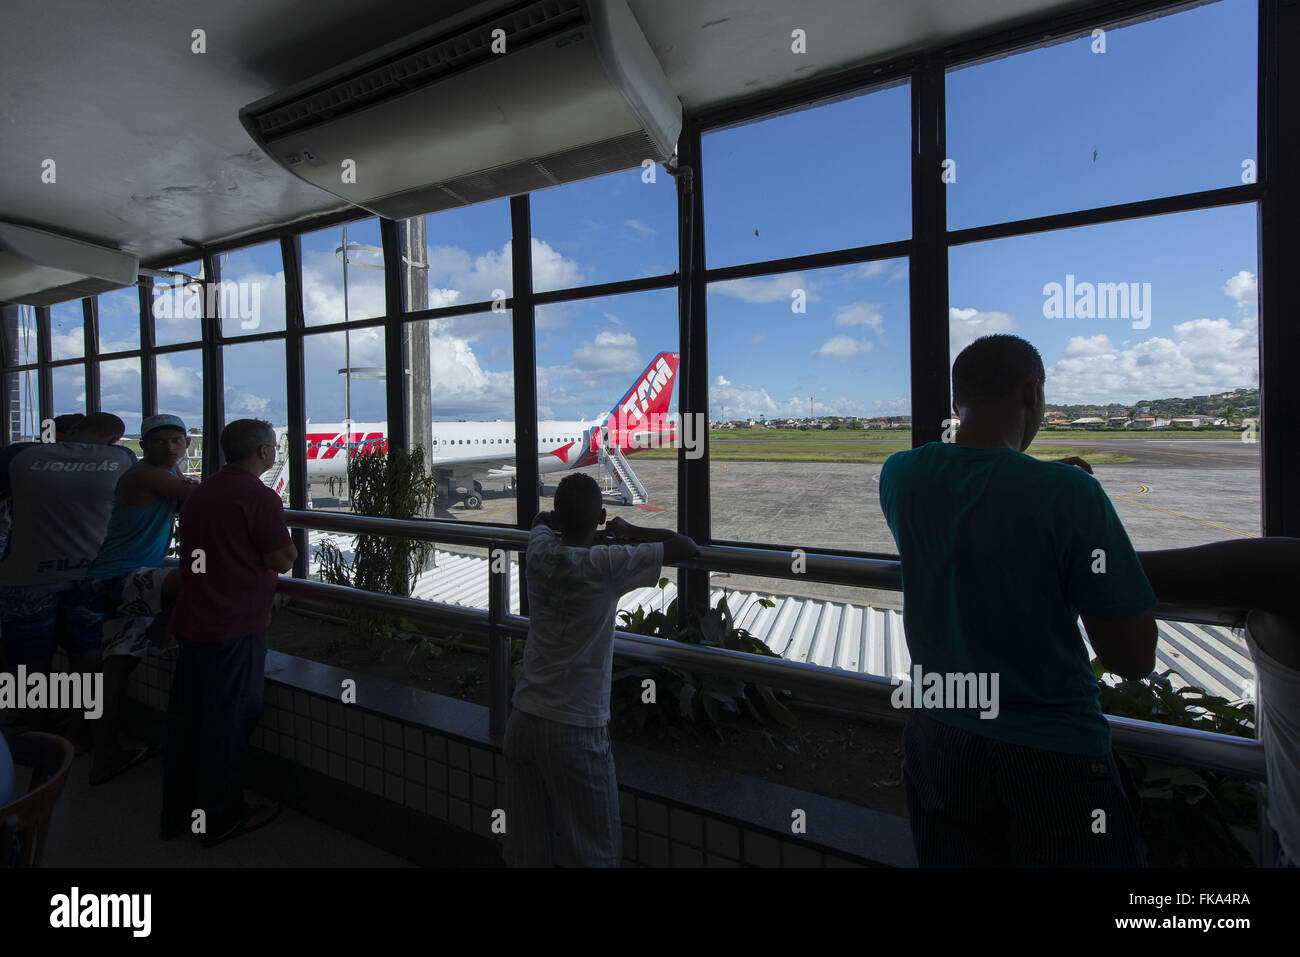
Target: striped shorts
[
  {"x": 975, "y": 801},
  {"x": 560, "y": 782}
]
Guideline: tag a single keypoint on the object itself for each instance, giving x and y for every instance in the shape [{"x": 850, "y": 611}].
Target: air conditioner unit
[
  {"x": 40, "y": 269},
  {"x": 440, "y": 120}
]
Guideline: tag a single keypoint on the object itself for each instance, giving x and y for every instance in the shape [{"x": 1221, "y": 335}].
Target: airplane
[{"x": 460, "y": 451}]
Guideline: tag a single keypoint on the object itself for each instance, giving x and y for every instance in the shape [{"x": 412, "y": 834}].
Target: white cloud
[
  {"x": 720, "y": 381},
  {"x": 609, "y": 352},
  {"x": 861, "y": 314},
  {"x": 841, "y": 348},
  {"x": 1204, "y": 356},
  {"x": 613, "y": 318},
  {"x": 765, "y": 289},
  {"x": 1099, "y": 345},
  {"x": 1243, "y": 288},
  {"x": 640, "y": 228},
  {"x": 870, "y": 270},
  {"x": 967, "y": 325},
  {"x": 755, "y": 340}
]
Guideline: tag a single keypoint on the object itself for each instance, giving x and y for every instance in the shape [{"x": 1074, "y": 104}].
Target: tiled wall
[{"x": 461, "y": 780}]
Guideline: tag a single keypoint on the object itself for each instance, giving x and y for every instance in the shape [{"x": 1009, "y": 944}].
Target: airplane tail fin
[{"x": 643, "y": 410}]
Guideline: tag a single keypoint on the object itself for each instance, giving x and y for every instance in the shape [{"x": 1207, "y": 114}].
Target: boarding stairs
[
  {"x": 613, "y": 464},
  {"x": 276, "y": 478}
]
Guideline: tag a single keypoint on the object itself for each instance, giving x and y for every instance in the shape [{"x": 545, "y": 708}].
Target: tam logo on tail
[{"x": 649, "y": 397}]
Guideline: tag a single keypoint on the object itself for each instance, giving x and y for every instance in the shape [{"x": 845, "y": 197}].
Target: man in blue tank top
[
  {"x": 129, "y": 584},
  {"x": 1001, "y": 554}
]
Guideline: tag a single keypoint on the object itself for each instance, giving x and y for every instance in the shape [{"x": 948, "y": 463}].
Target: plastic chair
[{"x": 26, "y": 821}]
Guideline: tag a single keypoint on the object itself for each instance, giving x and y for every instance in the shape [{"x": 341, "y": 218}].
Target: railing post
[{"x": 498, "y": 639}]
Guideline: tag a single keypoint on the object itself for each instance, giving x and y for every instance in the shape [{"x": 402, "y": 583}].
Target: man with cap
[{"x": 129, "y": 584}]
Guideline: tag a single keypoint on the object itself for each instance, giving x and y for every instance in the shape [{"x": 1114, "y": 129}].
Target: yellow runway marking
[{"x": 1144, "y": 489}]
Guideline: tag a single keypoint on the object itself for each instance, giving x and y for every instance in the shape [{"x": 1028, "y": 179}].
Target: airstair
[
  {"x": 613, "y": 463},
  {"x": 276, "y": 478}
]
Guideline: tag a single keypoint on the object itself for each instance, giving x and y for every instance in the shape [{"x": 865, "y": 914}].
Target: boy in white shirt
[{"x": 559, "y": 766}]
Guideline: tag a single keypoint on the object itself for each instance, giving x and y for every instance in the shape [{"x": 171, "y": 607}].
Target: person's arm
[
  {"x": 677, "y": 547},
  {"x": 1126, "y": 646},
  {"x": 282, "y": 559},
  {"x": 269, "y": 535},
  {"x": 1257, "y": 573},
  {"x": 141, "y": 487},
  {"x": 1105, "y": 582},
  {"x": 544, "y": 518},
  {"x": 1252, "y": 573}
]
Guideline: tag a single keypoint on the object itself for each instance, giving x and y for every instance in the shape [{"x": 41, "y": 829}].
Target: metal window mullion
[
  {"x": 148, "y": 341},
  {"x": 928, "y": 267},
  {"x": 214, "y": 400},
  {"x": 395, "y": 370},
  {"x": 44, "y": 371},
  {"x": 1279, "y": 250},
  {"x": 693, "y": 515},
  {"x": 90, "y": 309},
  {"x": 523, "y": 316},
  {"x": 295, "y": 379}
]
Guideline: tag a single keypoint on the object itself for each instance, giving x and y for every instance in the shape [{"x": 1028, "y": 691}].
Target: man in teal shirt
[{"x": 1001, "y": 554}]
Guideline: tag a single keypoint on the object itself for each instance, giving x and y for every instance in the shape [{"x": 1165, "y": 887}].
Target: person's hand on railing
[{"x": 1075, "y": 460}]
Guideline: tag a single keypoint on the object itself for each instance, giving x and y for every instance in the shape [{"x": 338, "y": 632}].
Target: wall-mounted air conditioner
[
  {"x": 440, "y": 120},
  {"x": 40, "y": 269}
]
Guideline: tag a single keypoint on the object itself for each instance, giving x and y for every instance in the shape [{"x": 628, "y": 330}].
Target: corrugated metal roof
[{"x": 846, "y": 635}]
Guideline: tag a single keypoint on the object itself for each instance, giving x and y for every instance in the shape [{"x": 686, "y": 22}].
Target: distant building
[
  {"x": 1089, "y": 422},
  {"x": 1117, "y": 421},
  {"x": 1143, "y": 422}
]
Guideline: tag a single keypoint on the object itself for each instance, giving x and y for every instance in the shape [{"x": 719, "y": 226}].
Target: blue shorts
[{"x": 35, "y": 619}]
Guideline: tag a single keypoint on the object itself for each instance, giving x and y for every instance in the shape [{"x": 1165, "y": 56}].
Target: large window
[
  {"x": 67, "y": 330},
  {"x": 1148, "y": 331},
  {"x": 178, "y": 306},
  {"x": 1158, "y": 108},
  {"x": 344, "y": 395},
  {"x": 834, "y": 177},
  {"x": 335, "y": 289},
  {"x": 119, "y": 320},
  {"x": 69, "y": 389},
  {"x": 621, "y": 226},
  {"x": 119, "y": 392},
  {"x": 252, "y": 291},
  {"x": 180, "y": 386}
]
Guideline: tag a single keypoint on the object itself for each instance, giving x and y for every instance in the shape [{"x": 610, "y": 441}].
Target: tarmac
[{"x": 1176, "y": 493}]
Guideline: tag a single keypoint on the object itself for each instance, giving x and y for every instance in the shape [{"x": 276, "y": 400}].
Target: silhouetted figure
[
  {"x": 1000, "y": 555},
  {"x": 1260, "y": 574},
  {"x": 59, "y": 496},
  {"x": 559, "y": 766},
  {"x": 233, "y": 544},
  {"x": 127, "y": 582}
]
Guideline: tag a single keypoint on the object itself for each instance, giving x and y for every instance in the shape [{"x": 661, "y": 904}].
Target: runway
[{"x": 1162, "y": 498}]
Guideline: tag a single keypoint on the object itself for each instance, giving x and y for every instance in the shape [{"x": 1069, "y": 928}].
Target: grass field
[
  {"x": 850, "y": 445},
  {"x": 822, "y": 447}
]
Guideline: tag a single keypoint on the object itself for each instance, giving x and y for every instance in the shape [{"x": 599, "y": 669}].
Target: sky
[{"x": 1168, "y": 107}]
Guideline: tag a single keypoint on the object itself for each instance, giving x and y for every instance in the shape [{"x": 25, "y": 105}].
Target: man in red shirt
[{"x": 233, "y": 544}]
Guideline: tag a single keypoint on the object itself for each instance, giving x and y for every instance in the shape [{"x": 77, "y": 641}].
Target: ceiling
[{"x": 145, "y": 135}]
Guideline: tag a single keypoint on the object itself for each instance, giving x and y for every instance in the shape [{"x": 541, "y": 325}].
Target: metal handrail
[{"x": 1184, "y": 746}]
